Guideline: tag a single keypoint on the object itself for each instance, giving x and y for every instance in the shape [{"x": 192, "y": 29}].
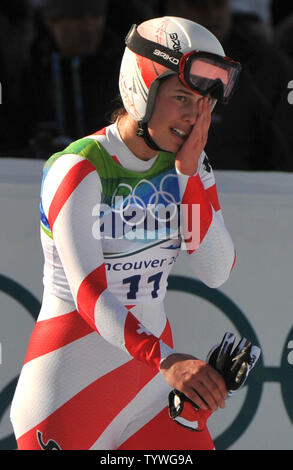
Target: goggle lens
[
  {"x": 211, "y": 75},
  {"x": 200, "y": 68}
]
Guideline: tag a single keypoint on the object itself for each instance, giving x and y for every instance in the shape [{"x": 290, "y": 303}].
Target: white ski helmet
[{"x": 170, "y": 41}]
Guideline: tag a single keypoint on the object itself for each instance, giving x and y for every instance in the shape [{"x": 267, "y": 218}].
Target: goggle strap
[{"x": 152, "y": 50}]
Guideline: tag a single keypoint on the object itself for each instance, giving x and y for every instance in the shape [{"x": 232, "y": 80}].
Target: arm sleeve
[
  {"x": 208, "y": 242},
  {"x": 71, "y": 191}
]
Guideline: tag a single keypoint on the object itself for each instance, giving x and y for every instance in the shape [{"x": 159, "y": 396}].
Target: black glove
[
  {"x": 186, "y": 413},
  {"x": 234, "y": 366}
]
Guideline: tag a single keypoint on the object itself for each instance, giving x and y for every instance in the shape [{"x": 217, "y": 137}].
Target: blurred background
[{"x": 59, "y": 67}]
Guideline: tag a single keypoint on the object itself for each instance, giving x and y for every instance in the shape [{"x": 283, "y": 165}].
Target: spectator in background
[
  {"x": 75, "y": 64},
  {"x": 280, "y": 11},
  {"x": 256, "y": 14},
  {"x": 15, "y": 41},
  {"x": 255, "y": 131},
  {"x": 74, "y": 68},
  {"x": 260, "y": 8},
  {"x": 123, "y": 14}
]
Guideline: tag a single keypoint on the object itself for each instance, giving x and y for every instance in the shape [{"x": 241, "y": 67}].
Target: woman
[{"x": 101, "y": 363}]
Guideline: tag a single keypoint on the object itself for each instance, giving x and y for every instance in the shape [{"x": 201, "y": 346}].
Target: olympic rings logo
[
  {"x": 184, "y": 284},
  {"x": 147, "y": 197}
]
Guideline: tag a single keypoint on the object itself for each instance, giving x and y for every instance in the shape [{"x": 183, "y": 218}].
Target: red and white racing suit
[{"x": 90, "y": 378}]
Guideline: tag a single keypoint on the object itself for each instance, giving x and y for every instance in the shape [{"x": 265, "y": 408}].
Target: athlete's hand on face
[
  {"x": 196, "y": 379},
  {"x": 188, "y": 155}
]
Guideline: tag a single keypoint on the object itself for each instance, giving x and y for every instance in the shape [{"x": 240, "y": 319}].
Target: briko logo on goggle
[{"x": 166, "y": 57}]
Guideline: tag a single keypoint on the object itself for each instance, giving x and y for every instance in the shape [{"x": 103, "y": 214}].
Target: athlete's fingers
[
  {"x": 219, "y": 381},
  {"x": 209, "y": 393},
  {"x": 203, "y": 120},
  {"x": 197, "y": 139},
  {"x": 196, "y": 398},
  {"x": 205, "y": 389},
  {"x": 204, "y": 395},
  {"x": 214, "y": 391},
  {"x": 196, "y": 379},
  {"x": 207, "y": 112},
  {"x": 205, "y": 115}
]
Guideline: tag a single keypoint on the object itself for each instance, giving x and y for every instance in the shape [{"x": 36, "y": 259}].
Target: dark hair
[{"x": 118, "y": 110}]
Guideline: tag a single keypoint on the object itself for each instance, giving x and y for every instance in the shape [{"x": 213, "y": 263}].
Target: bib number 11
[{"x": 134, "y": 282}]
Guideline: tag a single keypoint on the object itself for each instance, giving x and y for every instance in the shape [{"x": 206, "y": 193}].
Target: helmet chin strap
[{"x": 143, "y": 132}]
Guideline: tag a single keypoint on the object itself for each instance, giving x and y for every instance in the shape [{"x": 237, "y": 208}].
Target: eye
[{"x": 181, "y": 98}]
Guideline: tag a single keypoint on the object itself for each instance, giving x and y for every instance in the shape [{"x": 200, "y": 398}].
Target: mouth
[{"x": 179, "y": 133}]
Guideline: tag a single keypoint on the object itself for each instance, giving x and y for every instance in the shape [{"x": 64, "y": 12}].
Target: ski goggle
[{"x": 202, "y": 72}]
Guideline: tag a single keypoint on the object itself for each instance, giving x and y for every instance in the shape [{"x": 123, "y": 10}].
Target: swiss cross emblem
[{"x": 142, "y": 329}]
